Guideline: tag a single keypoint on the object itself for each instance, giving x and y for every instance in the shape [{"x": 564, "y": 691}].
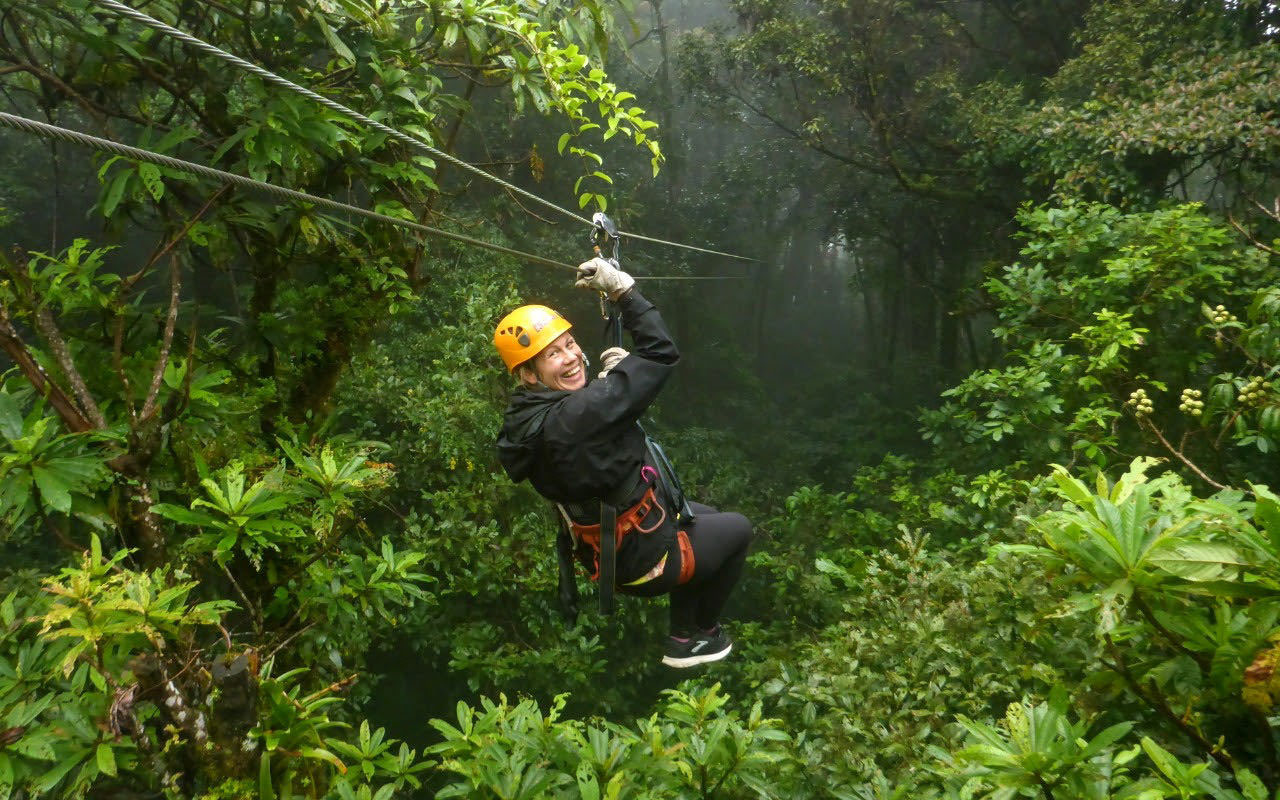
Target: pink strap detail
[{"x": 648, "y": 474}]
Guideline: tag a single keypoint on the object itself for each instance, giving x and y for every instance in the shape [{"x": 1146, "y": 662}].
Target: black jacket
[{"x": 579, "y": 446}]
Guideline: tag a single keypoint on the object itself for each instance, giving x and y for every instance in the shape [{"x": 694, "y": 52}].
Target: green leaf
[
  {"x": 150, "y": 175},
  {"x": 266, "y": 790},
  {"x": 1267, "y": 512},
  {"x": 115, "y": 191},
  {"x": 1162, "y": 758},
  {"x": 1200, "y": 561},
  {"x": 564, "y": 140},
  {"x": 588, "y": 784},
  {"x": 106, "y": 759},
  {"x": 35, "y": 746},
  {"x": 55, "y": 492},
  {"x": 1251, "y": 786},
  {"x": 1070, "y": 488},
  {"x": 230, "y": 142},
  {"x": 183, "y": 515},
  {"x": 309, "y": 231},
  {"x": 1105, "y": 739},
  {"x": 335, "y": 43},
  {"x": 320, "y": 754},
  {"x": 10, "y": 417},
  {"x": 50, "y": 779}
]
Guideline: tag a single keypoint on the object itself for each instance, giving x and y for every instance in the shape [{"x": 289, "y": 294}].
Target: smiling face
[{"x": 559, "y": 366}]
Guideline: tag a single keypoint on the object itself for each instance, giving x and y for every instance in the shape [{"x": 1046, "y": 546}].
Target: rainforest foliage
[{"x": 1001, "y": 394}]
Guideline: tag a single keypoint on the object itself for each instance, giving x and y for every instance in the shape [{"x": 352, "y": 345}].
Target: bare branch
[
  {"x": 16, "y": 349},
  {"x": 62, "y": 354},
  {"x": 289, "y": 639},
  {"x": 254, "y": 611},
  {"x": 1273, "y": 212},
  {"x": 643, "y": 39},
  {"x": 117, "y": 362},
  {"x": 1249, "y": 236},
  {"x": 1178, "y": 455},
  {"x": 48, "y": 329},
  {"x": 128, "y": 283},
  {"x": 162, "y": 361},
  {"x": 1158, "y": 702}
]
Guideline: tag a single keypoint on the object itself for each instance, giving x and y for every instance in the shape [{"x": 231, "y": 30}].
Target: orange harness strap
[
  {"x": 686, "y": 557},
  {"x": 629, "y": 521}
]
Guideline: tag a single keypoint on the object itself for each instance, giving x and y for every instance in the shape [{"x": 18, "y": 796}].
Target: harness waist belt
[
  {"x": 629, "y": 521},
  {"x": 590, "y": 509}
]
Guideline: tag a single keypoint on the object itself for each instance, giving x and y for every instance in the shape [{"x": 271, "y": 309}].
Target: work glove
[
  {"x": 610, "y": 358},
  {"x": 604, "y": 277}
]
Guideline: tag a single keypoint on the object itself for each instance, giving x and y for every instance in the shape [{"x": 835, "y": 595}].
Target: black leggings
[{"x": 720, "y": 541}]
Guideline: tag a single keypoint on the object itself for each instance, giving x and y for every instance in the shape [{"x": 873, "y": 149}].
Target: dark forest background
[{"x": 999, "y": 392}]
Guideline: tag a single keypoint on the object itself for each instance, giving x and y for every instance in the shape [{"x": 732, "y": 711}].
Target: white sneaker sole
[{"x": 693, "y": 661}]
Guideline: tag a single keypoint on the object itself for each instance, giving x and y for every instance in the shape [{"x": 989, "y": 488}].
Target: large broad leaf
[
  {"x": 1228, "y": 588},
  {"x": 1071, "y": 488},
  {"x": 79, "y": 472},
  {"x": 10, "y": 417},
  {"x": 1250, "y": 785},
  {"x": 55, "y": 490},
  {"x": 1163, "y": 759},
  {"x": 54, "y": 776},
  {"x": 1267, "y": 513},
  {"x": 183, "y": 515},
  {"x": 106, "y": 759},
  {"x": 1105, "y": 739},
  {"x": 6, "y": 775},
  {"x": 15, "y": 495},
  {"x": 1200, "y": 561}
]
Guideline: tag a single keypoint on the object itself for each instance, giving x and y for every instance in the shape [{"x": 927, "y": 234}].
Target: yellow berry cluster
[
  {"x": 1191, "y": 402},
  {"x": 1252, "y": 393},
  {"x": 1221, "y": 316},
  {"x": 1140, "y": 403}
]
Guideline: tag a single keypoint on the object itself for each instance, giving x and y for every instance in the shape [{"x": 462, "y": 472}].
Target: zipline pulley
[
  {"x": 605, "y": 238},
  {"x": 604, "y": 234}
]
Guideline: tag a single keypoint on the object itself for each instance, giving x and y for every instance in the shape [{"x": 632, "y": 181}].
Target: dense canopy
[{"x": 1000, "y": 390}]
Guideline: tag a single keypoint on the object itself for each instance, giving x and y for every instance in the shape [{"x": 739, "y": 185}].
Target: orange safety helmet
[{"x": 523, "y": 333}]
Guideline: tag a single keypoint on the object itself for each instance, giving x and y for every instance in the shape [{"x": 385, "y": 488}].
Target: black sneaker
[{"x": 702, "y": 648}]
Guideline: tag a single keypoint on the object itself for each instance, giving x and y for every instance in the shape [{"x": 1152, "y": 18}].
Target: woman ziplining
[
  {"x": 695, "y": 608},
  {"x": 579, "y": 442}
]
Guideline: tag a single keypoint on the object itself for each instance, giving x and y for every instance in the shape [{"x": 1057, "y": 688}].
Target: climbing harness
[
  {"x": 625, "y": 523},
  {"x": 399, "y": 135}
]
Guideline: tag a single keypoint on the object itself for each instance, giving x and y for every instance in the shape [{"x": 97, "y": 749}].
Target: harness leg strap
[
  {"x": 608, "y": 556},
  {"x": 568, "y": 584}
]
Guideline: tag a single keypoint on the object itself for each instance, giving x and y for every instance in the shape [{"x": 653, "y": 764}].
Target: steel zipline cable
[
  {"x": 400, "y": 136},
  {"x": 137, "y": 154},
  {"x": 48, "y": 131}
]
